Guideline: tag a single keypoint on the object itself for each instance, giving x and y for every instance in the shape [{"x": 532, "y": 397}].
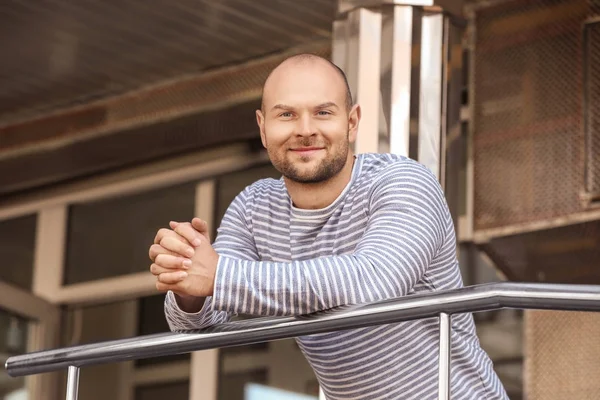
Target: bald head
[{"x": 305, "y": 61}]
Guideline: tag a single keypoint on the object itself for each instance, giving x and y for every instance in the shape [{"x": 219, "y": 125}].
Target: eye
[
  {"x": 323, "y": 112},
  {"x": 286, "y": 114}
]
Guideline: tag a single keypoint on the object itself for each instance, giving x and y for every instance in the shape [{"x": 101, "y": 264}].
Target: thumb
[{"x": 173, "y": 224}]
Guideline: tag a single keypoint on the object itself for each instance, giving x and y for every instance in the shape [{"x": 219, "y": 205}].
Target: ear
[
  {"x": 260, "y": 120},
  {"x": 353, "y": 121}
]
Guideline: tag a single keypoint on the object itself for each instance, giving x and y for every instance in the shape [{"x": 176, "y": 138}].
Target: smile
[{"x": 306, "y": 151}]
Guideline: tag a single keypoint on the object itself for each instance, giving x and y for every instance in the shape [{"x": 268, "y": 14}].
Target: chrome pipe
[
  {"x": 429, "y": 305},
  {"x": 73, "y": 383},
  {"x": 444, "y": 361}
]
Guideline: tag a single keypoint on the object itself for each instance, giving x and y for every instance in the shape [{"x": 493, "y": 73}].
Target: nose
[{"x": 305, "y": 126}]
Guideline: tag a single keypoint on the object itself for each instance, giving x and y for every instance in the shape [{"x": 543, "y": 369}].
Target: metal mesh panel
[
  {"x": 562, "y": 358},
  {"x": 528, "y": 63},
  {"x": 592, "y": 108}
]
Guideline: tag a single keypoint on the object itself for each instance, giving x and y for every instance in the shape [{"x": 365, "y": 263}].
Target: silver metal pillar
[
  {"x": 444, "y": 361},
  {"x": 400, "y": 78},
  {"x": 431, "y": 92},
  {"x": 357, "y": 50},
  {"x": 396, "y": 56},
  {"x": 73, "y": 383}
]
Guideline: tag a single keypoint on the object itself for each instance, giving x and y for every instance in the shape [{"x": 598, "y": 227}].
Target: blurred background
[{"x": 119, "y": 116}]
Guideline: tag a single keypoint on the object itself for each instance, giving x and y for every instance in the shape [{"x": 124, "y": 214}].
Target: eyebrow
[
  {"x": 281, "y": 107},
  {"x": 320, "y": 106},
  {"x": 327, "y": 105}
]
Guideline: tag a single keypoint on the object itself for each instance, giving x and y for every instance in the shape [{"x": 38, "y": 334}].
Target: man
[{"x": 337, "y": 229}]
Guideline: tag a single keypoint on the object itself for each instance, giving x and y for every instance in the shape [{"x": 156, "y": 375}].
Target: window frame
[{"x": 49, "y": 293}]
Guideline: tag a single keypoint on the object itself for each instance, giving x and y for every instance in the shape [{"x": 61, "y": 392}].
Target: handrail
[{"x": 477, "y": 298}]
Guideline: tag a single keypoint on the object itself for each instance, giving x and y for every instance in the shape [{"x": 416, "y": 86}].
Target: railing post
[
  {"x": 72, "y": 383},
  {"x": 444, "y": 361}
]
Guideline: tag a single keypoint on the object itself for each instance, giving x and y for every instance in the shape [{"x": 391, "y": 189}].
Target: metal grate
[
  {"x": 527, "y": 87},
  {"x": 562, "y": 355},
  {"x": 592, "y": 108}
]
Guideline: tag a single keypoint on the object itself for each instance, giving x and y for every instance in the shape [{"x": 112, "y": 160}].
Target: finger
[
  {"x": 172, "y": 278},
  {"x": 189, "y": 233},
  {"x": 165, "y": 287},
  {"x": 164, "y": 232},
  {"x": 157, "y": 249},
  {"x": 201, "y": 226},
  {"x": 173, "y": 262},
  {"x": 157, "y": 269},
  {"x": 177, "y": 246}
]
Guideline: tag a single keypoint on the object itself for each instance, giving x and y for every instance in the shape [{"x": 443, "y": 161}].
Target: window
[
  {"x": 108, "y": 238},
  {"x": 13, "y": 341},
  {"x": 17, "y": 249}
]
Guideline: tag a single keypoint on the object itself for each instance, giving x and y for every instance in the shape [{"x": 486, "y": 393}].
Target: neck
[{"x": 314, "y": 196}]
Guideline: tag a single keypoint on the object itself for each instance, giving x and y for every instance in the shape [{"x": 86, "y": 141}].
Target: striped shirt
[{"x": 388, "y": 234}]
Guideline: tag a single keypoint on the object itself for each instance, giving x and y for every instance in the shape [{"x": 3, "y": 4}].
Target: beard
[{"x": 296, "y": 171}]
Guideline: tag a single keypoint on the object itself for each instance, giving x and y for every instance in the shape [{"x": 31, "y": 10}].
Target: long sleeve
[
  {"x": 235, "y": 241},
  {"x": 407, "y": 214}
]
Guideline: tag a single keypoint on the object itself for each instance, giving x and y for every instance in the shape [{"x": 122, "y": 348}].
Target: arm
[
  {"x": 234, "y": 240},
  {"x": 404, "y": 232}
]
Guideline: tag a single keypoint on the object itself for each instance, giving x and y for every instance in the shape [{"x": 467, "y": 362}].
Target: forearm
[{"x": 296, "y": 288}]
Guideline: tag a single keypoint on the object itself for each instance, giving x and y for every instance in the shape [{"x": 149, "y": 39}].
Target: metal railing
[{"x": 440, "y": 304}]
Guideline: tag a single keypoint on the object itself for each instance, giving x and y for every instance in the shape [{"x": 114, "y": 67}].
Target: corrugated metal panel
[
  {"x": 188, "y": 95},
  {"x": 56, "y": 53}
]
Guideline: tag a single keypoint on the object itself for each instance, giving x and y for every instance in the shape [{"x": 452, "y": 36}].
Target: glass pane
[
  {"x": 152, "y": 320},
  {"x": 230, "y": 185},
  {"x": 171, "y": 391},
  {"x": 17, "y": 249},
  {"x": 13, "y": 341},
  {"x": 254, "y": 391},
  {"x": 111, "y": 237}
]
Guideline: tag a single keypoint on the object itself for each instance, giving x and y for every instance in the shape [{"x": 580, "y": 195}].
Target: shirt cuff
[{"x": 174, "y": 306}]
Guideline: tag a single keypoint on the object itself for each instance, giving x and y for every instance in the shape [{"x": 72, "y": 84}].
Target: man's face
[{"x": 305, "y": 125}]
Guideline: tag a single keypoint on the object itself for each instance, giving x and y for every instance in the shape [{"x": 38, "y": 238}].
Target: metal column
[
  {"x": 396, "y": 56},
  {"x": 444, "y": 360},
  {"x": 73, "y": 383}
]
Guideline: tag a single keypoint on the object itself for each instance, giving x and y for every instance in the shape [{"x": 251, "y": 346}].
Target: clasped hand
[{"x": 184, "y": 260}]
